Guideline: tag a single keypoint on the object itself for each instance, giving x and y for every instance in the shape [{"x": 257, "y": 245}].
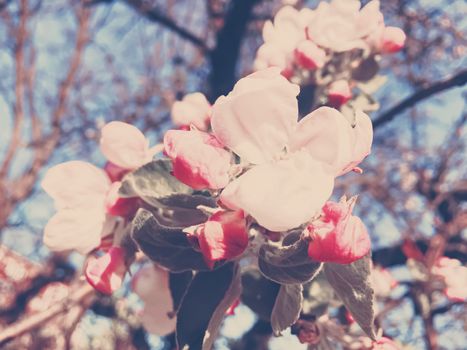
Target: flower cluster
[
  {"x": 89, "y": 210},
  {"x": 277, "y": 170},
  {"x": 323, "y": 45}
]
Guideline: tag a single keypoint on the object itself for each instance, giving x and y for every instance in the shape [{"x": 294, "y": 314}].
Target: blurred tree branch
[
  {"x": 155, "y": 15},
  {"x": 459, "y": 79}
]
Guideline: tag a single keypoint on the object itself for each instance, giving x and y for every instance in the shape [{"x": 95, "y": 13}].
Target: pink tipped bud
[
  {"x": 106, "y": 273},
  {"x": 199, "y": 159},
  {"x": 339, "y": 93},
  {"x": 393, "y": 40},
  {"x": 117, "y": 206},
  {"x": 309, "y": 56},
  {"x": 223, "y": 236},
  {"x": 114, "y": 172},
  {"x": 338, "y": 236}
]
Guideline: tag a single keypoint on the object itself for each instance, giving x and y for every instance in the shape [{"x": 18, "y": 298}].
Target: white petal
[
  {"x": 124, "y": 145},
  {"x": 257, "y": 117},
  {"x": 281, "y": 195},
  {"x": 75, "y": 183},
  {"x": 325, "y": 134},
  {"x": 192, "y": 109},
  {"x": 151, "y": 283},
  {"x": 75, "y": 229}
]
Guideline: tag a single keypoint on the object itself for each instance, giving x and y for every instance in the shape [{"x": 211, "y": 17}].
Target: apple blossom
[
  {"x": 257, "y": 117},
  {"x": 393, "y": 40},
  {"x": 309, "y": 56},
  {"x": 281, "y": 37},
  {"x": 339, "y": 93},
  {"x": 223, "y": 236},
  {"x": 124, "y": 145},
  {"x": 338, "y": 236},
  {"x": 328, "y": 137},
  {"x": 79, "y": 190},
  {"x": 258, "y": 121},
  {"x": 151, "y": 284},
  {"x": 106, "y": 273},
  {"x": 193, "y": 109},
  {"x": 199, "y": 159},
  {"x": 454, "y": 275},
  {"x": 84, "y": 196},
  {"x": 335, "y": 26}
]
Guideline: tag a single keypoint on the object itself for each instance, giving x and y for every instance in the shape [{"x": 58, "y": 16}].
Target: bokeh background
[{"x": 67, "y": 67}]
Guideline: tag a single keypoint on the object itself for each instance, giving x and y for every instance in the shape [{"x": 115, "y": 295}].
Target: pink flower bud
[
  {"x": 339, "y": 93},
  {"x": 193, "y": 109},
  {"x": 309, "y": 56},
  {"x": 223, "y": 236},
  {"x": 393, "y": 40},
  {"x": 385, "y": 344},
  {"x": 338, "y": 236},
  {"x": 114, "y": 172},
  {"x": 106, "y": 273},
  {"x": 117, "y": 206},
  {"x": 199, "y": 159}
]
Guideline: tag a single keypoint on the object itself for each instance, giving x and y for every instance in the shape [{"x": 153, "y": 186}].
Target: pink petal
[
  {"x": 106, "y": 273},
  {"x": 281, "y": 195},
  {"x": 124, "y": 145},
  {"x": 256, "y": 118},
  {"x": 339, "y": 93},
  {"x": 193, "y": 109},
  {"x": 118, "y": 206},
  {"x": 327, "y": 136},
  {"x": 309, "y": 56},
  {"x": 75, "y": 229},
  {"x": 393, "y": 40},
  {"x": 151, "y": 283},
  {"x": 338, "y": 236},
  {"x": 75, "y": 183},
  {"x": 223, "y": 236},
  {"x": 199, "y": 160}
]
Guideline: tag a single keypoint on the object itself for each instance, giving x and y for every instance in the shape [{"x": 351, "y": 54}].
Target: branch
[
  {"x": 21, "y": 37},
  {"x": 458, "y": 79},
  {"x": 36, "y": 320},
  {"x": 225, "y": 55},
  {"x": 154, "y": 15}
]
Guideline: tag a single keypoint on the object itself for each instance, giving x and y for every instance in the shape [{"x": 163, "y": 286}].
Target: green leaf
[
  {"x": 178, "y": 284},
  {"x": 286, "y": 310},
  {"x": 259, "y": 293},
  {"x": 164, "y": 245},
  {"x": 288, "y": 264},
  {"x": 203, "y": 305},
  {"x": 351, "y": 283},
  {"x": 152, "y": 182},
  {"x": 232, "y": 294}
]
